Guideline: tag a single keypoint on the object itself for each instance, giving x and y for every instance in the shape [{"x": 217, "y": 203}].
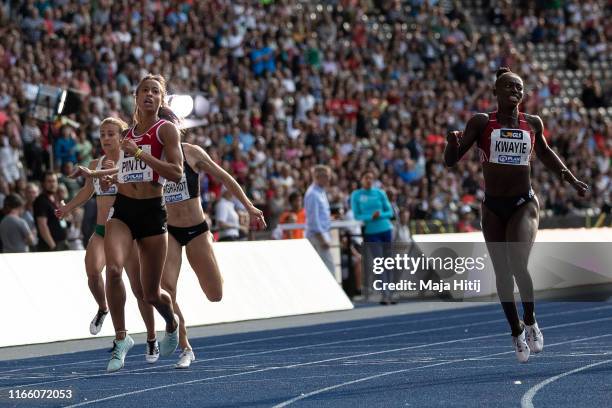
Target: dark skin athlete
[{"x": 510, "y": 181}]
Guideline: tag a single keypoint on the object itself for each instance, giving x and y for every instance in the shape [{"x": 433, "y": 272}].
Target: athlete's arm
[
  {"x": 80, "y": 198},
  {"x": 458, "y": 144},
  {"x": 171, "y": 168},
  {"x": 203, "y": 162},
  {"x": 550, "y": 159}
]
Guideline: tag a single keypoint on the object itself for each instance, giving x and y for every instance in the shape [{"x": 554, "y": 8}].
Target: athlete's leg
[
  {"x": 132, "y": 268},
  {"x": 117, "y": 247},
  {"x": 152, "y": 257},
  {"x": 494, "y": 231},
  {"x": 94, "y": 263},
  {"x": 520, "y": 233},
  {"x": 172, "y": 269},
  {"x": 204, "y": 263}
]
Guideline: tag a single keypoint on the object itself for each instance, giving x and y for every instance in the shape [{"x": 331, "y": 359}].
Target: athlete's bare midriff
[
  {"x": 502, "y": 180},
  {"x": 140, "y": 191},
  {"x": 103, "y": 204},
  {"x": 185, "y": 213}
]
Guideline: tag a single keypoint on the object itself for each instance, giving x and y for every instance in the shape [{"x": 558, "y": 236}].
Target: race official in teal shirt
[{"x": 371, "y": 205}]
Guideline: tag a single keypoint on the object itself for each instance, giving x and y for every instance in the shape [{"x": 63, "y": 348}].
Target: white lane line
[
  {"x": 527, "y": 400},
  {"x": 259, "y": 353},
  {"x": 583, "y": 322},
  {"x": 372, "y": 377},
  {"x": 124, "y": 372},
  {"x": 286, "y": 336}
]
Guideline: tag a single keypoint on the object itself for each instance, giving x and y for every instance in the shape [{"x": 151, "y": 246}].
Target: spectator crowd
[{"x": 359, "y": 85}]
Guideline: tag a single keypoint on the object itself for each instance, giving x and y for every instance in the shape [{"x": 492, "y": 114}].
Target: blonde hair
[
  {"x": 321, "y": 168},
  {"x": 115, "y": 121}
]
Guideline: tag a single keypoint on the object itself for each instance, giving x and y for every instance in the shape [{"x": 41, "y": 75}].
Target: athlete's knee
[
  {"x": 92, "y": 272},
  {"x": 113, "y": 271},
  {"x": 520, "y": 271},
  {"x": 215, "y": 296},
  {"x": 152, "y": 298}
]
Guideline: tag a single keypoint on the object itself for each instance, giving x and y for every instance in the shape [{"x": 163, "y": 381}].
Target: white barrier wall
[
  {"x": 544, "y": 235},
  {"x": 45, "y": 296},
  {"x": 543, "y": 264}
]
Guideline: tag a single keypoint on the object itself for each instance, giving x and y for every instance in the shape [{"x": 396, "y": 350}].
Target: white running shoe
[
  {"x": 185, "y": 359},
  {"x": 96, "y": 324},
  {"x": 152, "y": 352},
  {"x": 521, "y": 348},
  {"x": 119, "y": 351},
  {"x": 170, "y": 342},
  {"x": 535, "y": 338}
]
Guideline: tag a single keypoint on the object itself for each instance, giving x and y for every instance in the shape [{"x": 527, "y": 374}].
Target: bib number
[
  {"x": 133, "y": 170},
  {"x": 176, "y": 192},
  {"x": 510, "y": 146}
]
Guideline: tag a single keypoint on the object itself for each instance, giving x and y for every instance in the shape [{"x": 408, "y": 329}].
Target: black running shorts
[{"x": 144, "y": 217}]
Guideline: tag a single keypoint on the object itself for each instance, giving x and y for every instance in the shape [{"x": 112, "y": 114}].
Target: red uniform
[
  {"x": 132, "y": 170},
  {"x": 502, "y": 145}
]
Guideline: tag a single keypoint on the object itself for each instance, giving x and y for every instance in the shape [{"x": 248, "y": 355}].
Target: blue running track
[{"x": 453, "y": 358}]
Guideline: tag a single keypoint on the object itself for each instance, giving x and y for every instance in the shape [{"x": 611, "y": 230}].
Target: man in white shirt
[
  {"x": 318, "y": 215},
  {"x": 226, "y": 217}
]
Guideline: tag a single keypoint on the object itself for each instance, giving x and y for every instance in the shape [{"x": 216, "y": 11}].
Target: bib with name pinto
[
  {"x": 132, "y": 170},
  {"x": 502, "y": 145},
  {"x": 112, "y": 190}
]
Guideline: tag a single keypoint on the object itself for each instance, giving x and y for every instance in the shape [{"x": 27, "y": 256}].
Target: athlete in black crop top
[
  {"x": 510, "y": 210},
  {"x": 187, "y": 227}
]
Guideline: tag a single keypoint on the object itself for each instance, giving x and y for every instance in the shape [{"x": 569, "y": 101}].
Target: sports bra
[
  {"x": 132, "y": 170},
  {"x": 503, "y": 145},
  {"x": 187, "y": 188},
  {"x": 112, "y": 191}
]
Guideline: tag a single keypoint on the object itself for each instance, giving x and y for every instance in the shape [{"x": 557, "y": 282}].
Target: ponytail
[{"x": 166, "y": 113}]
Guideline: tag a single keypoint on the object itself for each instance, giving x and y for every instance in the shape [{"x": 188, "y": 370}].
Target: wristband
[{"x": 138, "y": 153}]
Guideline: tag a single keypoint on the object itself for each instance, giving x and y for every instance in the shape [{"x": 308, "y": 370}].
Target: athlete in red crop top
[
  {"x": 506, "y": 140},
  {"x": 150, "y": 153}
]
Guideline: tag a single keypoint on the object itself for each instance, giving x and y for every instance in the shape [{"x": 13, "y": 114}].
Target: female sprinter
[
  {"x": 110, "y": 138},
  {"x": 151, "y": 153},
  {"x": 187, "y": 227},
  {"x": 510, "y": 210}
]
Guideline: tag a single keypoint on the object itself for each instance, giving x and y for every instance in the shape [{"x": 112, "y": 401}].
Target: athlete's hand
[
  {"x": 62, "y": 211},
  {"x": 106, "y": 183},
  {"x": 108, "y": 164},
  {"x": 129, "y": 146},
  {"x": 81, "y": 171},
  {"x": 376, "y": 214},
  {"x": 257, "y": 216},
  {"x": 579, "y": 186},
  {"x": 453, "y": 136}
]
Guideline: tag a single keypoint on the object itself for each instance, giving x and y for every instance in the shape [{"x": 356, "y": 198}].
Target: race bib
[
  {"x": 176, "y": 192},
  {"x": 112, "y": 190},
  {"x": 510, "y": 146},
  {"x": 132, "y": 170}
]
